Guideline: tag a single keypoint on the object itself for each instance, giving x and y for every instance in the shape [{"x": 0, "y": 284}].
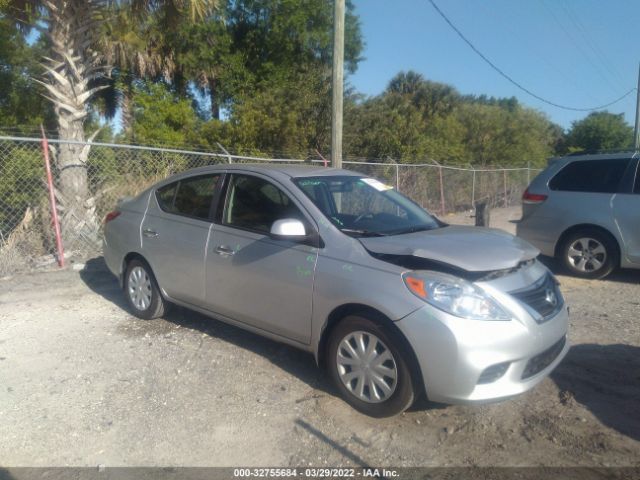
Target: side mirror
[
  {"x": 294, "y": 230},
  {"x": 289, "y": 229}
]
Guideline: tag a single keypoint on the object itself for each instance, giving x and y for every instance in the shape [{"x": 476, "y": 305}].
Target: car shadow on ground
[
  {"x": 295, "y": 362},
  {"x": 606, "y": 380},
  {"x": 626, "y": 275}
]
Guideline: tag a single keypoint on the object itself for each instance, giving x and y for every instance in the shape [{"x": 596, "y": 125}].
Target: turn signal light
[{"x": 416, "y": 285}]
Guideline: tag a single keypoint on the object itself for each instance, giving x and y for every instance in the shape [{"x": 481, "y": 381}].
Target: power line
[{"x": 514, "y": 82}]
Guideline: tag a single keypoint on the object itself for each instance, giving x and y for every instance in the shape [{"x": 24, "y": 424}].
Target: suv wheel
[
  {"x": 589, "y": 254},
  {"x": 142, "y": 292},
  {"x": 368, "y": 369}
]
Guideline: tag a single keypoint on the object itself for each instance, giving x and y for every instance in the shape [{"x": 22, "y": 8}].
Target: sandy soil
[{"x": 84, "y": 383}]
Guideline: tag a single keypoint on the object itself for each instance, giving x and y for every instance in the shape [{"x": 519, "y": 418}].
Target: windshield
[{"x": 362, "y": 206}]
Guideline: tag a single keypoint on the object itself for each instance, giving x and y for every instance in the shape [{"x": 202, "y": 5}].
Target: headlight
[{"x": 454, "y": 295}]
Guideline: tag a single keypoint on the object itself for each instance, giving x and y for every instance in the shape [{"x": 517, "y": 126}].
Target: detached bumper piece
[{"x": 543, "y": 360}]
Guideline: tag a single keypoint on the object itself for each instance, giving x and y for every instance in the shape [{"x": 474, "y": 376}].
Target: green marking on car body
[{"x": 303, "y": 272}]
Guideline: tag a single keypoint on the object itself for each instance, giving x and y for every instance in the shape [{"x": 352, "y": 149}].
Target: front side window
[
  {"x": 254, "y": 204},
  {"x": 364, "y": 206},
  {"x": 636, "y": 188},
  {"x": 191, "y": 197},
  {"x": 595, "y": 176}
]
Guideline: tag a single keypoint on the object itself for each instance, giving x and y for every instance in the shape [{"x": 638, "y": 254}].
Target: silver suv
[
  {"x": 390, "y": 299},
  {"x": 585, "y": 210}
]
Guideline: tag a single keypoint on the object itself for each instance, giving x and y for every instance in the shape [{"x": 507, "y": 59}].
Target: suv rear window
[{"x": 597, "y": 176}]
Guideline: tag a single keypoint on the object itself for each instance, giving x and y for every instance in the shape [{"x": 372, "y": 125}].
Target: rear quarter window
[{"x": 595, "y": 176}]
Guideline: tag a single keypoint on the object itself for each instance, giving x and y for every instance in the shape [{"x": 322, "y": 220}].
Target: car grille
[
  {"x": 543, "y": 297},
  {"x": 543, "y": 360}
]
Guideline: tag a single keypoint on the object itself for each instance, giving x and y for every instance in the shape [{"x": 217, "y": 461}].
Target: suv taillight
[
  {"x": 111, "y": 216},
  {"x": 532, "y": 198}
]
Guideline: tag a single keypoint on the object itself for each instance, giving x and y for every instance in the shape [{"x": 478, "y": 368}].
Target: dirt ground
[{"x": 84, "y": 383}]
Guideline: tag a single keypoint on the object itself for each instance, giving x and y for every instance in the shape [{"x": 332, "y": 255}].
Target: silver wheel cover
[
  {"x": 366, "y": 367},
  {"x": 139, "y": 288},
  {"x": 587, "y": 255}
]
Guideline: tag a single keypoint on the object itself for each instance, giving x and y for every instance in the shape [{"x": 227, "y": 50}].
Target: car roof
[
  {"x": 595, "y": 156},
  {"x": 288, "y": 170}
]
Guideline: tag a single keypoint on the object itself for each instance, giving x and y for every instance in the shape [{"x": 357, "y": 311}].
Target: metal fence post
[
  {"x": 442, "y": 207},
  {"x": 224, "y": 150},
  {"x": 473, "y": 190},
  {"x": 528, "y": 173},
  {"x": 504, "y": 174},
  {"x": 52, "y": 199},
  {"x": 397, "y": 177}
]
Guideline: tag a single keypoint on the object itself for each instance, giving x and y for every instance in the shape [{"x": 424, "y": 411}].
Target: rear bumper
[
  {"x": 453, "y": 354},
  {"x": 537, "y": 235}
]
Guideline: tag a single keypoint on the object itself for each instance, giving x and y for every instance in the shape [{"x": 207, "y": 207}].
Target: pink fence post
[
  {"x": 52, "y": 199},
  {"x": 326, "y": 163}
]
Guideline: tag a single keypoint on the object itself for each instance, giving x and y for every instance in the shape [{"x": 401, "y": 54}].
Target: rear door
[
  {"x": 626, "y": 211},
  {"x": 251, "y": 277},
  {"x": 582, "y": 192},
  {"x": 175, "y": 231}
]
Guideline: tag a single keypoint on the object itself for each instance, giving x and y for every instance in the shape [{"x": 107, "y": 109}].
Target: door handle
[
  {"x": 224, "y": 251},
  {"x": 149, "y": 233}
]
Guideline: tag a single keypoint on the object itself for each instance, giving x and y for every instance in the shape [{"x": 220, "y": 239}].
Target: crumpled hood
[{"x": 473, "y": 249}]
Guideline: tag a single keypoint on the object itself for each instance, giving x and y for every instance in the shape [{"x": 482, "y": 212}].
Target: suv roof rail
[{"x": 602, "y": 152}]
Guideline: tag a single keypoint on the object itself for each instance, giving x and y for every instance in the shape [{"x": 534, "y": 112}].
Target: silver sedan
[{"x": 393, "y": 302}]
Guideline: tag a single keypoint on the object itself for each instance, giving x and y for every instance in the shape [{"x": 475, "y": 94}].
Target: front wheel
[
  {"x": 142, "y": 292},
  {"x": 368, "y": 368},
  {"x": 589, "y": 254}
]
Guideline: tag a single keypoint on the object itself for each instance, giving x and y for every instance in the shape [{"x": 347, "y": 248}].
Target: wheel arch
[
  {"x": 132, "y": 256},
  {"x": 588, "y": 226},
  {"x": 370, "y": 313}
]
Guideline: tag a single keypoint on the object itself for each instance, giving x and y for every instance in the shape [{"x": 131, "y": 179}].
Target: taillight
[
  {"x": 111, "y": 216},
  {"x": 532, "y": 198}
]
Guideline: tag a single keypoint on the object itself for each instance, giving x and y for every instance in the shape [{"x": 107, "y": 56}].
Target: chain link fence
[{"x": 86, "y": 191}]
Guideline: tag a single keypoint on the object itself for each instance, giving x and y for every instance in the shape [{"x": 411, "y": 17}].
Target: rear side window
[
  {"x": 636, "y": 188},
  {"x": 191, "y": 197},
  {"x": 597, "y": 176}
]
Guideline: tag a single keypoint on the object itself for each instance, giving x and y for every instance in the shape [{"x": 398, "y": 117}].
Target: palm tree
[{"x": 77, "y": 62}]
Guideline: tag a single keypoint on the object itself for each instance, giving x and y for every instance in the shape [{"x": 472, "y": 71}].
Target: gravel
[{"x": 84, "y": 383}]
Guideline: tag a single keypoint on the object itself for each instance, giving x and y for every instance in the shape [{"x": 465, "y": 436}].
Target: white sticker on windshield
[{"x": 372, "y": 182}]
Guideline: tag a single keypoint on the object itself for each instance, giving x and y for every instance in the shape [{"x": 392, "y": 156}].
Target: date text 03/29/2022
[{"x": 314, "y": 472}]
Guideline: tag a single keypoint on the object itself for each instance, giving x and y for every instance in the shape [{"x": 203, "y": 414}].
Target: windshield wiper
[
  {"x": 420, "y": 228},
  {"x": 362, "y": 233}
]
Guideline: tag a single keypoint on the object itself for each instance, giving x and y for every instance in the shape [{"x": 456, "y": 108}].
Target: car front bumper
[{"x": 458, "y": 356}]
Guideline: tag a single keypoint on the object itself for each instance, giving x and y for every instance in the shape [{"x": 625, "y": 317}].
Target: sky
[{"x": 578, "y": 53}]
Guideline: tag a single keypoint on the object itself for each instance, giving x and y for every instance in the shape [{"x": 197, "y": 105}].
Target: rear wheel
[
  {"x": 368, "y": 368},
  {"x": 589, "y": 253},
  {"x": 142, "y": 292}
]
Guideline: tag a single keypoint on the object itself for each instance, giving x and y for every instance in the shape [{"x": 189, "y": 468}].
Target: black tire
[
  {"x": 608, "y": 260},
  {"x": 157, "y": 305},
  {"x": 404, "y": 393}
]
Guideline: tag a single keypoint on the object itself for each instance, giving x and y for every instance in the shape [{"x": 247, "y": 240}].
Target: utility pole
[
  {"x": 337, "y": 83},
  {"x": 636, "y": 133}
]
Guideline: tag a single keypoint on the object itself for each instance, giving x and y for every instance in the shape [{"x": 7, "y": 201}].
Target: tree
[
  {"x": 599, "y": 131},
  {"x": 22, "y": 108},
  {"x": 75, "y": 67}
]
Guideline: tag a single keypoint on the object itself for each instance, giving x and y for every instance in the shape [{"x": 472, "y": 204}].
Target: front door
[{"x": 253, "y": 278}]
